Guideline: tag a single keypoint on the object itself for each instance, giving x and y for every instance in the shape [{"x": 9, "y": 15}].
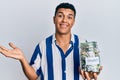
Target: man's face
[{"x": 64, "y": 20}]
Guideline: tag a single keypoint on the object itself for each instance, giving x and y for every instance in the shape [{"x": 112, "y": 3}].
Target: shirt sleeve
[{"x": 35, "y": 61}]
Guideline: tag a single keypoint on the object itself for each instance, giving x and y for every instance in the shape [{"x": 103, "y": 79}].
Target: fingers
[
  {"x": 3, "y": 48},
  {"x": 87, "y": 76},
  {"x": 4, "y": 51},
  {"x": 12, "y": 45},
  {"x": 0, "y": 50},
  {"x": 95, "y": 76},
  {"x": 13, "y": 53},
  {"x": 82, "y": 74}
]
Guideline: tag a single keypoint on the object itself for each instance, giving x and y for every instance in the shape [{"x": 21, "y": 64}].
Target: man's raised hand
[{"x": 15, "y": 52}]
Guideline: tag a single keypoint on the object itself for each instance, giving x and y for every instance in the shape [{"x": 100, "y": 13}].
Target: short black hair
[{"x": 66, "y": 6}]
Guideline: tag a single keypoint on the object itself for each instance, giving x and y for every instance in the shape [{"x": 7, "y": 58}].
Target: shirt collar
[{"x": 72, "y": 38}]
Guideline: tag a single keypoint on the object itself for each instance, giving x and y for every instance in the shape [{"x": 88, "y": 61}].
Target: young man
[{"x": 56, "y": 57}]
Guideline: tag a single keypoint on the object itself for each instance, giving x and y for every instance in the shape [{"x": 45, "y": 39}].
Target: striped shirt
[{"x": 50, "y": 62}]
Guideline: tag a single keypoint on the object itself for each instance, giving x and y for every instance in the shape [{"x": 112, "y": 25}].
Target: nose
[{"x": 64, "y": 19}]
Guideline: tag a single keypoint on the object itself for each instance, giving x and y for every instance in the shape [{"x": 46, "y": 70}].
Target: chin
[{"x": 64, "y": 33}]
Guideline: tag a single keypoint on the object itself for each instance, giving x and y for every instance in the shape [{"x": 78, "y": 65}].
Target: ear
[
  {"x": 54, "y": 19},
  {"x": 73, "y": 22}
]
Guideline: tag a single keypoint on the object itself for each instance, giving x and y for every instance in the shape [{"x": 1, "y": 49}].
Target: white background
[{"x": 27, "y": 22}]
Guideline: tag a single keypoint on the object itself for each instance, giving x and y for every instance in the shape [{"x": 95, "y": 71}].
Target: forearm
[{"x": 28, "y": 70}]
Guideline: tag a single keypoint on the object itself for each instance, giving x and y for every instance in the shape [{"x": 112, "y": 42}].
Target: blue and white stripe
[{"x": 50, "y": 63}]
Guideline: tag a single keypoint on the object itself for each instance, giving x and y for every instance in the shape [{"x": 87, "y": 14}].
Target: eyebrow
[{"x": 62, "y": 13}]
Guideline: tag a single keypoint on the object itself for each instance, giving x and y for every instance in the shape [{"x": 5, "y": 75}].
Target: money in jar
[{"x": 90, "y": 57}]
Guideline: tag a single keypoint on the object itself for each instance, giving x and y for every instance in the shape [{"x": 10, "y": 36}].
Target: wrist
[{"x": 22, "y": 59}]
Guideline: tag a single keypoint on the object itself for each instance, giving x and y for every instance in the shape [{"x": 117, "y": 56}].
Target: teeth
[{"x": 63, "y": 25}]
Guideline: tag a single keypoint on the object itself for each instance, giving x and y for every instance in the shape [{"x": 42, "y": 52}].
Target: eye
[
  {"x": 59, "y": 15},
  {"x": 70, "y": 17}
]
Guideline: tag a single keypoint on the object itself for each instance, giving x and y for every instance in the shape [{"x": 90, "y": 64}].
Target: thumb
[{"x": 12, "y": 45}]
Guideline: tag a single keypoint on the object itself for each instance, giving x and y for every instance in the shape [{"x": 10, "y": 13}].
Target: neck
[{"x": 65, "y": 39}]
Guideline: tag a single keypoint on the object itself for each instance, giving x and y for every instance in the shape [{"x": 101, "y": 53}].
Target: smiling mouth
[{"x": 63, "y": 25}]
